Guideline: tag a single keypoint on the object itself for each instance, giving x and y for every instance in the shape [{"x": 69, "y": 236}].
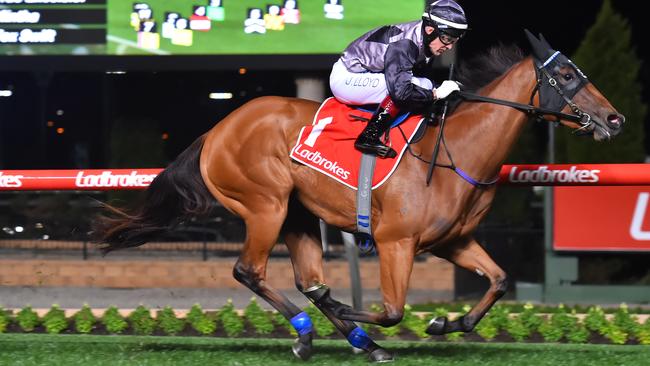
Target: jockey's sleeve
[{"x": 398, "y": 69}]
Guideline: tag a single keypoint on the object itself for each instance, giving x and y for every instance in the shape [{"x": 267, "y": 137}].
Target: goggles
[{"x": 448, "y": 39}]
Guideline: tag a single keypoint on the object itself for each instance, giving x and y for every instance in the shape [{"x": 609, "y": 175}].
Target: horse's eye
[{"x": 568, "y": 77}]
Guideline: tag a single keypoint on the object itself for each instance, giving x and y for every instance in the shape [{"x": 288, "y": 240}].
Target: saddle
[{"x": 327, "y": 146}]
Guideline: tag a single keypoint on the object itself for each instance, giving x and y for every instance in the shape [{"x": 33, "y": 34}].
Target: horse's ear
[
  {"x": 531, "y": 38},
  {"x": 540, "y": 52},
  {"x": 545, "y": 43}
]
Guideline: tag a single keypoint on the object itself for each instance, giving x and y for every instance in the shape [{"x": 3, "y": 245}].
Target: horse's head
[{"x": 563, "y": 87}]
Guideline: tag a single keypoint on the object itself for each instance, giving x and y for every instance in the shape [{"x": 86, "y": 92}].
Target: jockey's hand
[{"x": 447, "y": 87}]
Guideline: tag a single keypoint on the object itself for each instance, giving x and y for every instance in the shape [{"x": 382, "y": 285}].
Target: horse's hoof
[
  {"x": 301, "y": 350},
  {"x": 380, "y": 355},
  {"x": 437, "y": 326}
]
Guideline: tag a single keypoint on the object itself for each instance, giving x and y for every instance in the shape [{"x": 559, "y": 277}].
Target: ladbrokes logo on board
[
  {"x": 10, "y": 181},
  {"x": 545, "y": 175},
  {"x": 108, "y": 179}
]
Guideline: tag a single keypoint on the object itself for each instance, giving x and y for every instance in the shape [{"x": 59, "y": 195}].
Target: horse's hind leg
[
  {"x": 471, "y": 256},
  {"x": 262, "y": 231},
  {"x": 303, "y": 241}
]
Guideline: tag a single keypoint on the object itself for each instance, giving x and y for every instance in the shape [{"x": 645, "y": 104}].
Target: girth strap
[{"x": 363, "y": 235}]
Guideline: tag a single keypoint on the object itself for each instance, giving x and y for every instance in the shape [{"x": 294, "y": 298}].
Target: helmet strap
[{"x": 428, "y": 38}]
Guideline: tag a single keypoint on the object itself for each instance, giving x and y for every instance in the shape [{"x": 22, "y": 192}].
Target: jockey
[{"x": 378, "y": 68}]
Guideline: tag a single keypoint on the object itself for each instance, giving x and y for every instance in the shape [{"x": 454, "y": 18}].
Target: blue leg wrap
[
  {"x": 359, "y": 338},
  {"x": 302, "y": 323}
]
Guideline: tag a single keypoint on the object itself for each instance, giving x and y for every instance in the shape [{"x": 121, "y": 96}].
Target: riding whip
[{"x": 434, "y": 157}]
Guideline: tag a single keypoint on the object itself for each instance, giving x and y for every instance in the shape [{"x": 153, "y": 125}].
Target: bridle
[{"x": 585, "y": 121}]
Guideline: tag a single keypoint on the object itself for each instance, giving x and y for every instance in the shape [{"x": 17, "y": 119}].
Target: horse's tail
[{"x": 176, "y": 194}]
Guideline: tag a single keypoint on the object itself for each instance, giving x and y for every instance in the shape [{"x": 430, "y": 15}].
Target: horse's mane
[{"x": 480, "y": 70}]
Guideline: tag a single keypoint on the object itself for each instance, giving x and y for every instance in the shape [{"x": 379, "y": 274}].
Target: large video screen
[{"x": 192, "y": 27}]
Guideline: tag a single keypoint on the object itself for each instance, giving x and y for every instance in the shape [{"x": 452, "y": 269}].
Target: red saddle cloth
[{"x": 328, "y": 144}]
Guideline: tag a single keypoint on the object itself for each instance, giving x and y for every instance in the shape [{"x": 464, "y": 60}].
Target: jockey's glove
[{"x": 447, "y": 87}]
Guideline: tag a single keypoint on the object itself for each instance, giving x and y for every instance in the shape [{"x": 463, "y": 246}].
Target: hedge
[{"x": 528, "y": 324}]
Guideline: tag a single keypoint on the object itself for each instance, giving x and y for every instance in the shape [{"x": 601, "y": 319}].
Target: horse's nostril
[{"x": 615, "y": 120}]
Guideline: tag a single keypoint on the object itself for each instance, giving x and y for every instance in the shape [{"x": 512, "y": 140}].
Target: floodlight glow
[
  {"x": 6, "y": 93},
  {"x": 220, "y": 95}
]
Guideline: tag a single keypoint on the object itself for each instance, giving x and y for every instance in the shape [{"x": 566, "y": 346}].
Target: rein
[
  {"x": 452, "y": 166},
  {"x": 526, "y": 108}
]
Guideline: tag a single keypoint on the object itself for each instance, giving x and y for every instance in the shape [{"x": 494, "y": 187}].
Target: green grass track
[{"x": 41, "y": 349}]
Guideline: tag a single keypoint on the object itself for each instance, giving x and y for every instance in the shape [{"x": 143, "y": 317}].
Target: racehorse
[{"x": 243, "y": 162}]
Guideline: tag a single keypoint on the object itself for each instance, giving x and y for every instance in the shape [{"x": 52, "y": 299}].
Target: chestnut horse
[{"x": 243, "y": 162}]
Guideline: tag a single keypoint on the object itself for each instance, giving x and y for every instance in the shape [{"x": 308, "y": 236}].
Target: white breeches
[{"x": 363, "y": 88}]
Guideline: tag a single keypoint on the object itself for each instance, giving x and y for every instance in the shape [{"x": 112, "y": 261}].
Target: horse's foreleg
[
  {"x": 395, "y": 264},
  {"x": 306, "y": 255},
  {"x": 250, "y": 270},
  {"x": 471, "y": 256}
]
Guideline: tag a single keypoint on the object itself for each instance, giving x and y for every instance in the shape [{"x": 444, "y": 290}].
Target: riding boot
[{"x": 369, "y": 141}]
